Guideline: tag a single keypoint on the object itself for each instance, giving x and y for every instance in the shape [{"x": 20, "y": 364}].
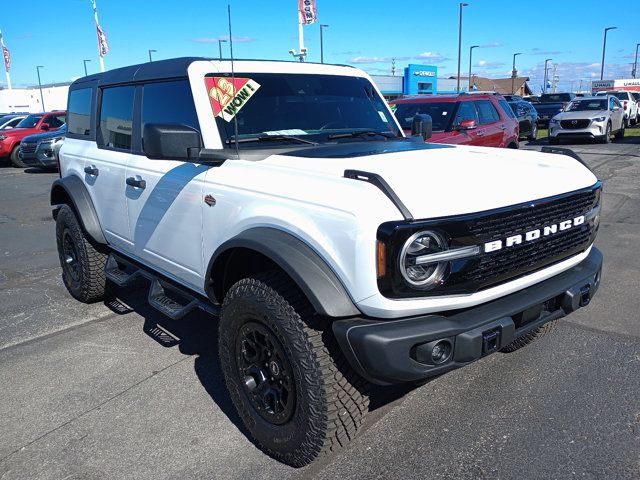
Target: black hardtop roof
[{"x": 156, "y": 70}]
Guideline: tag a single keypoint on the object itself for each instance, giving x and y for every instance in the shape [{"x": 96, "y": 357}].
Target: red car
[
  {"x": 483, "y": 119},
  {"x": 34, "y": 123}
]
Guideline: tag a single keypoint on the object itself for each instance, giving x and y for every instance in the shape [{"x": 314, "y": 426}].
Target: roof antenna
[{"x": 233, "y": 80}]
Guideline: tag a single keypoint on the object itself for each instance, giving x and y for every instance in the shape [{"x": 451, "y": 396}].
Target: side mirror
[
  {"x": 170, "y": 141},
  {"x": 422, "y": 125},
  {"x": 44, "y": 126},
  {"x": 467, "y": 125}
]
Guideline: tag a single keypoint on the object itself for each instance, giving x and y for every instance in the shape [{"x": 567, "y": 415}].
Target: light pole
[
  {"x": 151, "y": 51},
  {"x": 220, "y": 42},
  {"x": 40, "y": 86},
  {"x": 514, "y": 72},
  {"x": 470, "y": 56},
  {"x": 85, "y": 67},
  {"x": 322, "y": 26},
  {"x": 635, "y": 63},
  {"x": 604, "y": 48},
  {"x": 462, "y": 5},
  {"x": 546, "y": 71}
]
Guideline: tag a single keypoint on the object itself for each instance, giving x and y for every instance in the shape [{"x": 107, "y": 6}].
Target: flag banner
[
  {"x": 103, "y": 46},
  {"x": 7, "y": 58},
  {"x": 308, "y": 11},
  {"x": 229, "y": 95}
]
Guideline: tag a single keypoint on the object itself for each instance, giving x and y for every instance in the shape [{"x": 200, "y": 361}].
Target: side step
[{"x": 164, "y": 296}]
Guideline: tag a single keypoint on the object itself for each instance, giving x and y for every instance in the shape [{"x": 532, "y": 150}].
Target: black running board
[{"x": 168, "y": 298}]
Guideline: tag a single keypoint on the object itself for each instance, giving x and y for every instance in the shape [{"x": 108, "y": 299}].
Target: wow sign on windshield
[{"x": 229, "y": 95}]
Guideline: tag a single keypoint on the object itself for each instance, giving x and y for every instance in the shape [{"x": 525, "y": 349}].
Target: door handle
[
  {"x": 480, "y": 133},
  {"x": 503, "y": 127},
  {"x": 136, "y": 182},
  {"x": 92, "y": 170}
]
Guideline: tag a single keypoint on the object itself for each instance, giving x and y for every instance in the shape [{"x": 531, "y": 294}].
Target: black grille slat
[
  {"x": 569, "y": 124},
  {"x": 28, "y": 148}
]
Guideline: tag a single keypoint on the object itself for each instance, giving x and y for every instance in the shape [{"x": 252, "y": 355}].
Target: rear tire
[
  {"x": 267, "y": 319},
  {"x": 16, "y": 160},
  {"x": 529, "y": 337},
  {"x": 81, "y": 261}
]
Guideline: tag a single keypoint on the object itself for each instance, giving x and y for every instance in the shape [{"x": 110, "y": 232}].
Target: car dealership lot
[{"x": 110, "y": 391}]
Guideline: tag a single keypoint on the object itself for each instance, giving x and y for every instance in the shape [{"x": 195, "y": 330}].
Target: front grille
[
  {"x": 527, "y": 257},
  {"x": 574, "y": 124},
  {"x": 489, "y": 269},
  {"x": 28, "y": 148}
]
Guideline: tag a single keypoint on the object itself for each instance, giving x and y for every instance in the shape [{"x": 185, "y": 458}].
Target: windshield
[
  {"x": 296, "y": 105},
  {"x": 619, "y": 95},
  {"x": 582, "y": 105},
  {"x": 29, "y": 122},
  {"x": 555, "y": 97},
  {"x": 440, "y": 113}
]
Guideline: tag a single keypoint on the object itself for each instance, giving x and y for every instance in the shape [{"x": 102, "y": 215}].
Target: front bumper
[
  {"x": 394, "y": 351},
  {"x": 593, "y": 131}
]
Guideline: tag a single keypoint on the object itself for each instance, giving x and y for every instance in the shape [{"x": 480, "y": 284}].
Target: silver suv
[{"x": 595, "y": 118}]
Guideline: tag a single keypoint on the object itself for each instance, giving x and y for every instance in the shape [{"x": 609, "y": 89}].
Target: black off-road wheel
[
  {"x": 81, "y": 260},
  {"x": 15, "y": 158},
  {"x": 529, "y": 337},
  {"x": 293, "y": 389}
]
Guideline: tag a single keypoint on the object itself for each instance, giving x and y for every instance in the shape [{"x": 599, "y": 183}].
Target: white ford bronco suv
[{"x": 284, "y": 199}]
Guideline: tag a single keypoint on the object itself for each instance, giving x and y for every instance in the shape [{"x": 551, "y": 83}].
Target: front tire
[
  {"x": 534, "y": 133},
  {"x": 81, "y": 261},
  {"x": 15, "y": 158},
  {"x": 620, "y": 133},
  {"x": 290, "y": 384},
  {"x": 606, "y": 138}
]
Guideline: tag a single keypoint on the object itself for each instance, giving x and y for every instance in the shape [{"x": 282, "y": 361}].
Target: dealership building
[
  {"x": 424, "y": 80},
  {"x": 28, "y": 99}
]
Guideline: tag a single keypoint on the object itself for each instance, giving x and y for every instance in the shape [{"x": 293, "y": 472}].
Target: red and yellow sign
[{"x": 228, "y": 95}]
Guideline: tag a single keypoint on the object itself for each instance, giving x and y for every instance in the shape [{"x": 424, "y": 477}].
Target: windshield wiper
[
  {"x": 262, "y": 138},
  {"x": 361, "y": 133}
]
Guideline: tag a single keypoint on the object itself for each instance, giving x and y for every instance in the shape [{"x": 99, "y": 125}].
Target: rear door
[
  {"x": 165, "y": 217},
  {"x": 105, "y": 163},
  {"x": 489, "y": 129}
]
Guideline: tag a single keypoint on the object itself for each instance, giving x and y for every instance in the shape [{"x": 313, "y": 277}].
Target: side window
[
  {"x": 612, "y": 103},
  {"x": 466, "y": 111},
  {"x": 116, "y": 117},
  {"x": 508, "y": 110},
  {"x": 169, "y": 102},
  {"x": 79, "y": 112},
  {"x": 54, "y": 121},
  {"x": 486, "y": 112},
  {"x": 14, "y": 122}
]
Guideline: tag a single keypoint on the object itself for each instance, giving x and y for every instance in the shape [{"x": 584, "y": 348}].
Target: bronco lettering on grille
[{"x": 532, "y": 235}]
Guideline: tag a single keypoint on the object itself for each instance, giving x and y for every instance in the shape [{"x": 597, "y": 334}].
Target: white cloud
[
  {"x": 433, "y": 57},
  {"x": 376, "y": 59}
]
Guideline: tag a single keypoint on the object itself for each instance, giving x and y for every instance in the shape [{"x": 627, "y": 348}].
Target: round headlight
[{"x": 415, "y": 272}]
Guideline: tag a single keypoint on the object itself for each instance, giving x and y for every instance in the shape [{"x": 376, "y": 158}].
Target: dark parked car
[
  {"x": 552, "y": 104},
  {"x": 527, "y": 118},
  {"x": 41, "y": 150},
  {"x": 512, "y": 98},
  {"x": 532, "y": 99}
]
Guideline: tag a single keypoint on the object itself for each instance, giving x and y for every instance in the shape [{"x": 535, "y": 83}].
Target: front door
[{"x": 165, "y": 212}]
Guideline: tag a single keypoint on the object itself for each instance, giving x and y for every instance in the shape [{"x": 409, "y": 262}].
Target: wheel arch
[
  {"x": 261, "y": 248},
  {"x": 71, "y": 191}
]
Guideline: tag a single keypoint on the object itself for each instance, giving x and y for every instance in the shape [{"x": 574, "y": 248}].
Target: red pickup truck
[{"x": 34, "y": 123}]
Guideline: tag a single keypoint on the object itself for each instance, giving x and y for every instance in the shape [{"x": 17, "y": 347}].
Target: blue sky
[{"x": 60, "y": 34}]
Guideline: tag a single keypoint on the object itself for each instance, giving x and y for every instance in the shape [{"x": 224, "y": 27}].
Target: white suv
[
  {"x": 284, "y": 198},
  {"x": 629, "y": 105}
]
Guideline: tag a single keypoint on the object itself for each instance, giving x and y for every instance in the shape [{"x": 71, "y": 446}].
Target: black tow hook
[{"x": 490, "y": 341}]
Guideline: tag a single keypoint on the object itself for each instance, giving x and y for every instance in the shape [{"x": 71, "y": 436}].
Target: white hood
[{"x": 443, "y": 181}]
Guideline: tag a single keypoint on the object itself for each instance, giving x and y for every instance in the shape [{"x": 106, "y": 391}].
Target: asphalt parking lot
[{"x": 119, "y": 391}]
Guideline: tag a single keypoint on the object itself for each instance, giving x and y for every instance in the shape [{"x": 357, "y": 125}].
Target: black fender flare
[
  {"x": 72, "y": 187},
  {"x": 307, "y": 269}
]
